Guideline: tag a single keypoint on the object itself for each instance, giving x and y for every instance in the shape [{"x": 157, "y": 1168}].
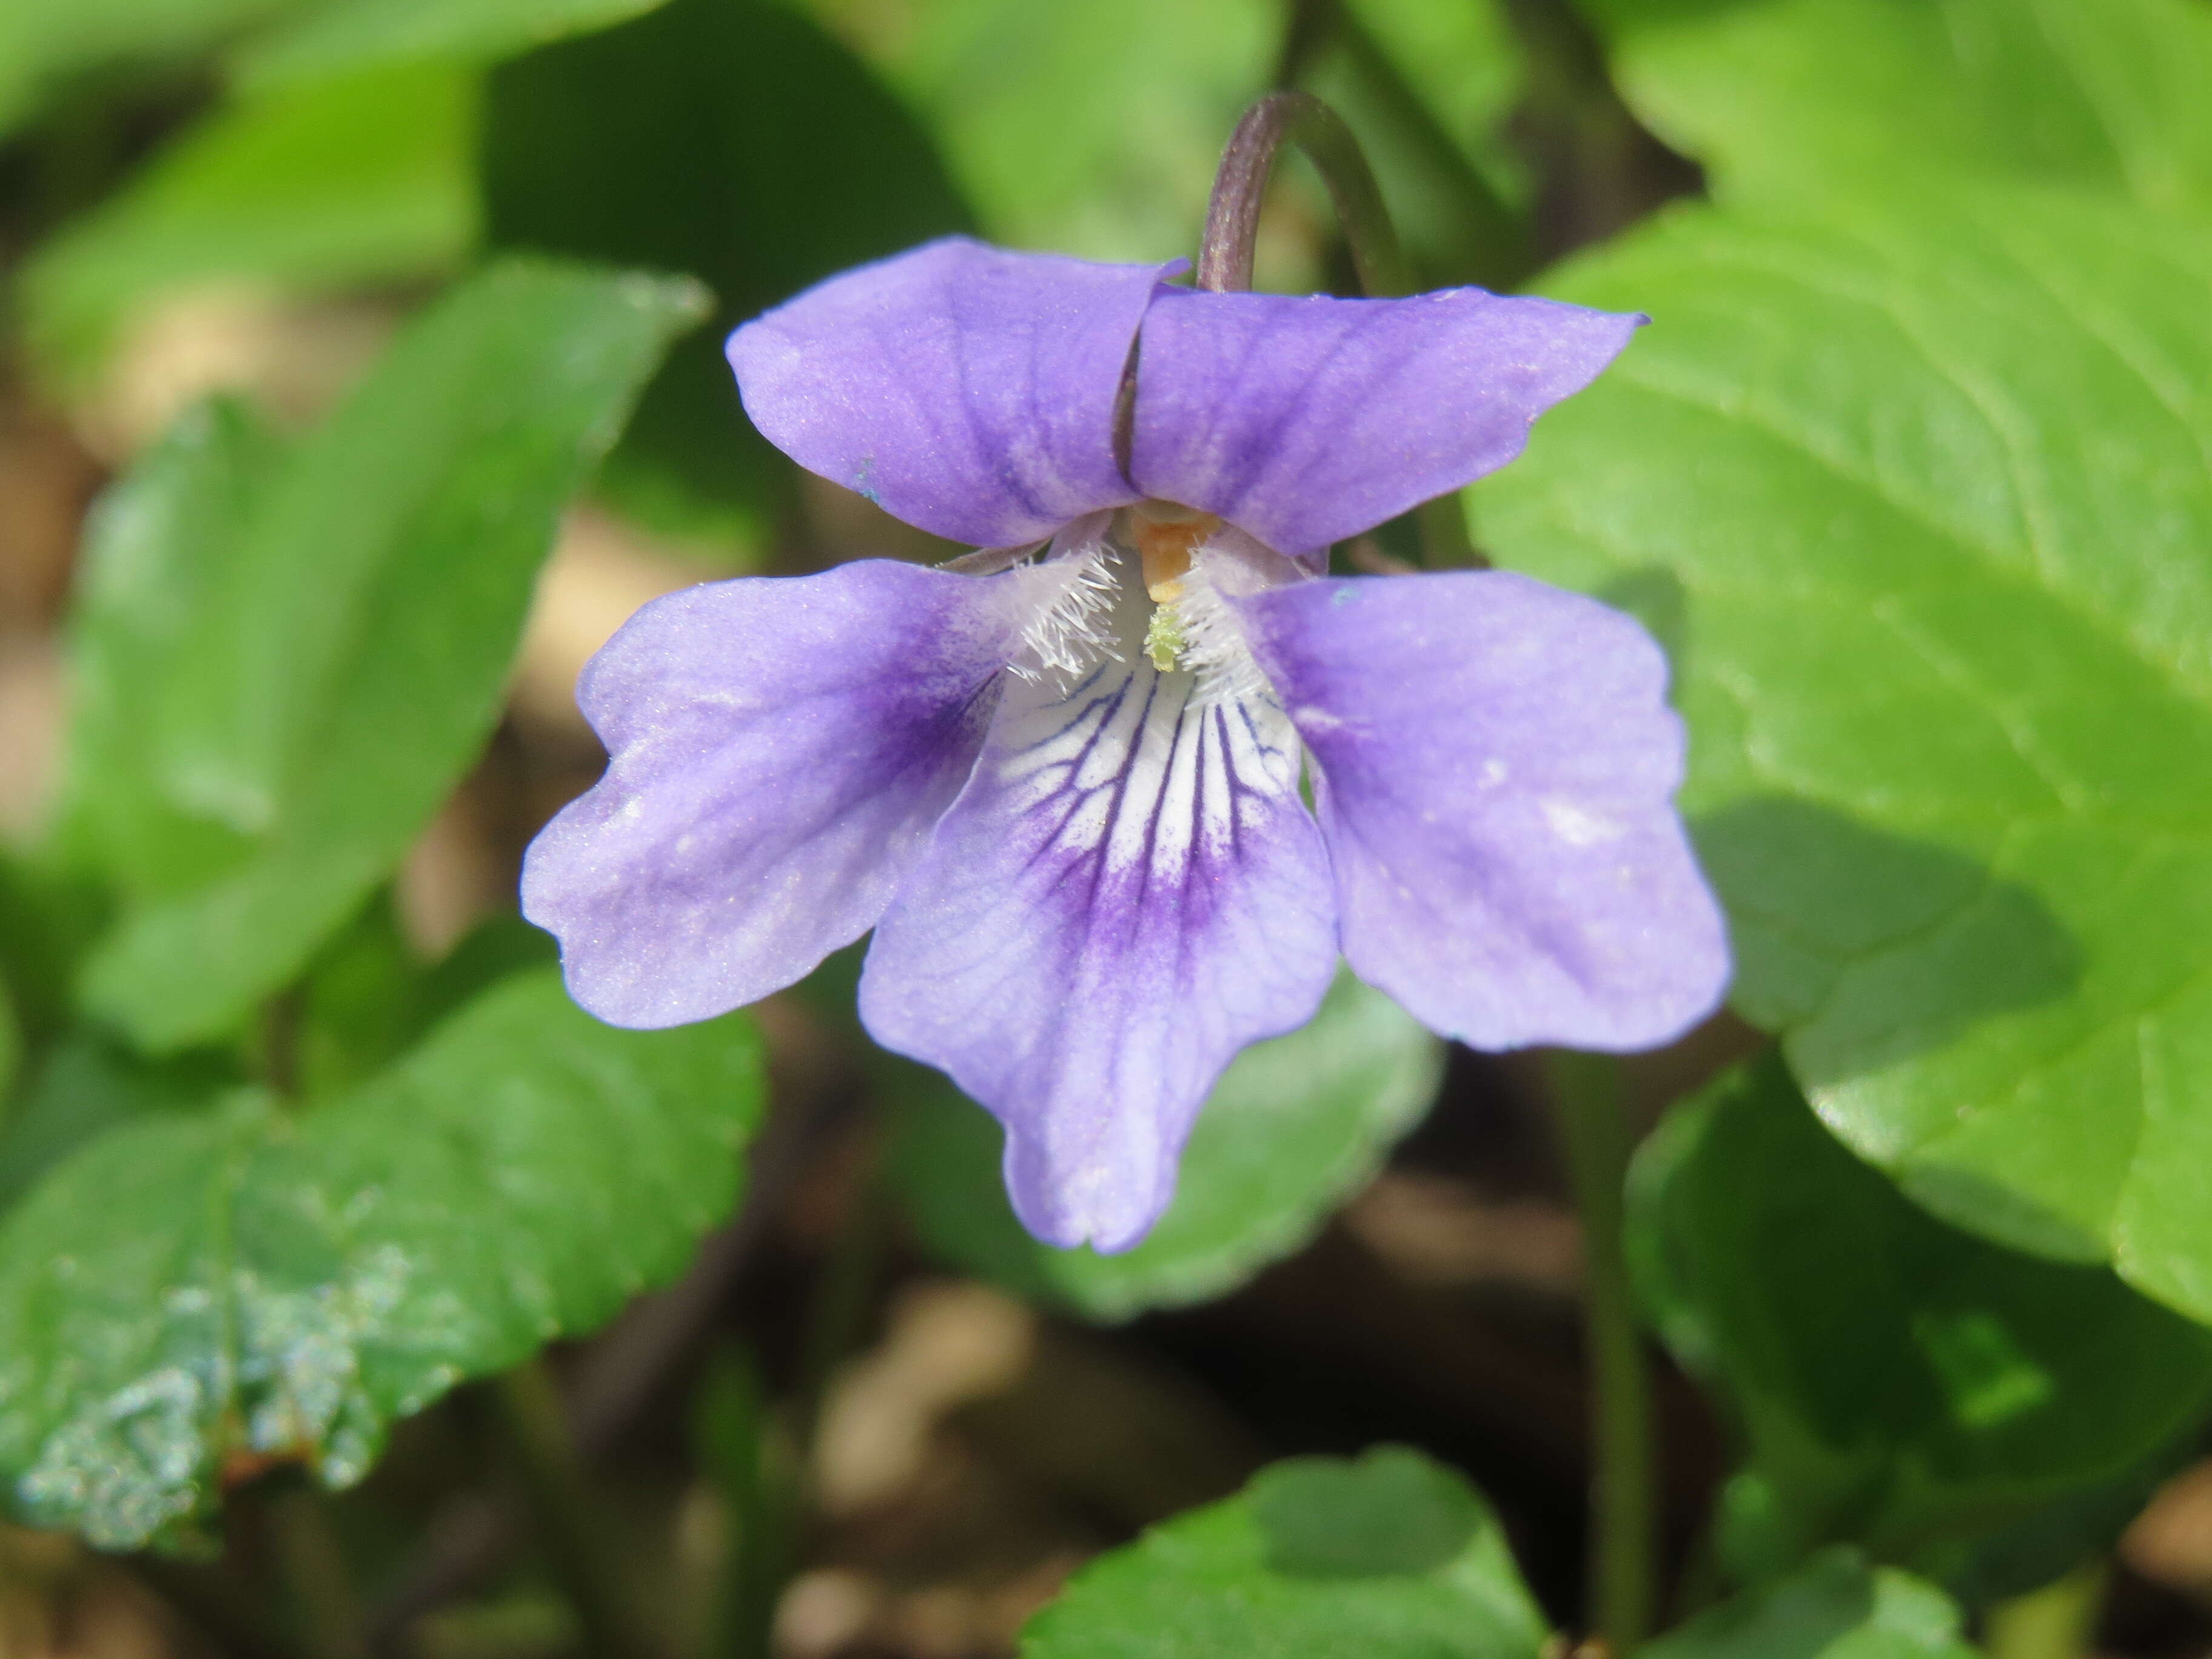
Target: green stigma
[{"x": 1164, "y": 639}]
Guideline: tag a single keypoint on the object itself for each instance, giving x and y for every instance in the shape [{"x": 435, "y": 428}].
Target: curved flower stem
[
  {"x": 1232, "y": 215},
  {"x": 1233, "y": 229},
  {"x": 1594, "y": 1134}
]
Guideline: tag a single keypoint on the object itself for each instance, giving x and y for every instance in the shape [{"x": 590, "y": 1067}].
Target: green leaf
[
  {"x": 1834, "y": 1607},
  {"x": 1295, "y": 1127},
  {"x": 1786, "y": 99},
  {"x": 1087, "y": 126},
  {"x": 351, "y": 35},
  {"x": 1390, "y": 1557},
  {"x": 228, "y": 1287},
  {"x": 1919, "y": 501},
  {"x": 368, "y": 998},
  {"x": 45, "y": 43},
  {"x": 86, "y": 1087},
  {"x": 360, "y": 180},
  {"x": 1902, "y": 1385},
  {"x": 329, "y": 644},
  {"x": 147, "y": 611},
  {"x": 731, "y": 139}
]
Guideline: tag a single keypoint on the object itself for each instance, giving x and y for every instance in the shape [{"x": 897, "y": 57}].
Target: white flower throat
[{"x": 1150, "y": 584}]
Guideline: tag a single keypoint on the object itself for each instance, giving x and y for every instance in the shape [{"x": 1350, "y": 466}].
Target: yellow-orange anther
[{"x": 1164, "y": 545}]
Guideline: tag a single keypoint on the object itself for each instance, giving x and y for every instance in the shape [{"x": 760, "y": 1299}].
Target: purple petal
[
  {"x": 1304, "y": 421},
  {"x": 968, "y": 390},
  {"x": 1128, "y": 891},
  {"x": 781, "y": 747},
  {"x": 1496, "y": 764}
]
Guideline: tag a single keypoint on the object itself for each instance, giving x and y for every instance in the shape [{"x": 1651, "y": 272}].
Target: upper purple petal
[
  {"x": 779, "y": 748},
  {"x": 968, "y": 390},
  {"x": 1127, "y": 892},
  {"x": 1496, "y": 765},
  {"x": 1304, "y": 421}
]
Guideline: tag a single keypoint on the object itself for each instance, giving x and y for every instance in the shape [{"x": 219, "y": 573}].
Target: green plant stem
[
  {"x": 748, "y": 1455},
  {"x": 313, "y": 1565},
  {"x": 280, "y": 1043},
  {"x": 2058, "y": 1621},
  {"x": 1595, "y": 1136},
  {"x": 568, "y": 1525},
  {"x": 836, "y": 1315},
  {"x": 757, "y": 1457}
]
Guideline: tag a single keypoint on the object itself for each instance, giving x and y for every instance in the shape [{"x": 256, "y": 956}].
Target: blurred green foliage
[
  {"x": 1902, "y": 1386},
  {"x": 1912, "y": 476}
]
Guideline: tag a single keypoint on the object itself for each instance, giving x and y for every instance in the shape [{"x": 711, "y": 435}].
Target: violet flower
[{"x": 1066, "y": 794}]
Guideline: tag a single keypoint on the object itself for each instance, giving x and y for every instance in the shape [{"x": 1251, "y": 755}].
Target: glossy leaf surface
[
  {"x": 1919, "y": 501},
  {"x": 203, "y": 1292},
  {"x": 1783, "y": 100}
]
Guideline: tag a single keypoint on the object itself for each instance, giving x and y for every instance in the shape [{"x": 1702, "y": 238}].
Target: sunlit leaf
[
  {"x": 1919, "y": 501},
  {"x": 1390, "y": 1557},
  {"x": 327, "y": 646},
  {"x": 1293, "y": 1128},
  {"x": 198, "y": 1293},
  {"x": 1900, "y": 1384},
  {"x": 1785, "y": 99}
]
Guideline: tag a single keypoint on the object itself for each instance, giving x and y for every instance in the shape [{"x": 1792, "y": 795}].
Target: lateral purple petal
[
  {"x": 1307, "y": 420},
  {"x": 1497, "y": 765},
  {"x": 968, "y": 390},
  {"x": 781, "y": 747},
  {"x": 1128, "y": 891}
]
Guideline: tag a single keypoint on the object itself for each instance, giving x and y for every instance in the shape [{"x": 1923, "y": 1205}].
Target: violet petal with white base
[
  {"x": 1497, "y": 765},
  {"x": 780, "y": 749}
]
